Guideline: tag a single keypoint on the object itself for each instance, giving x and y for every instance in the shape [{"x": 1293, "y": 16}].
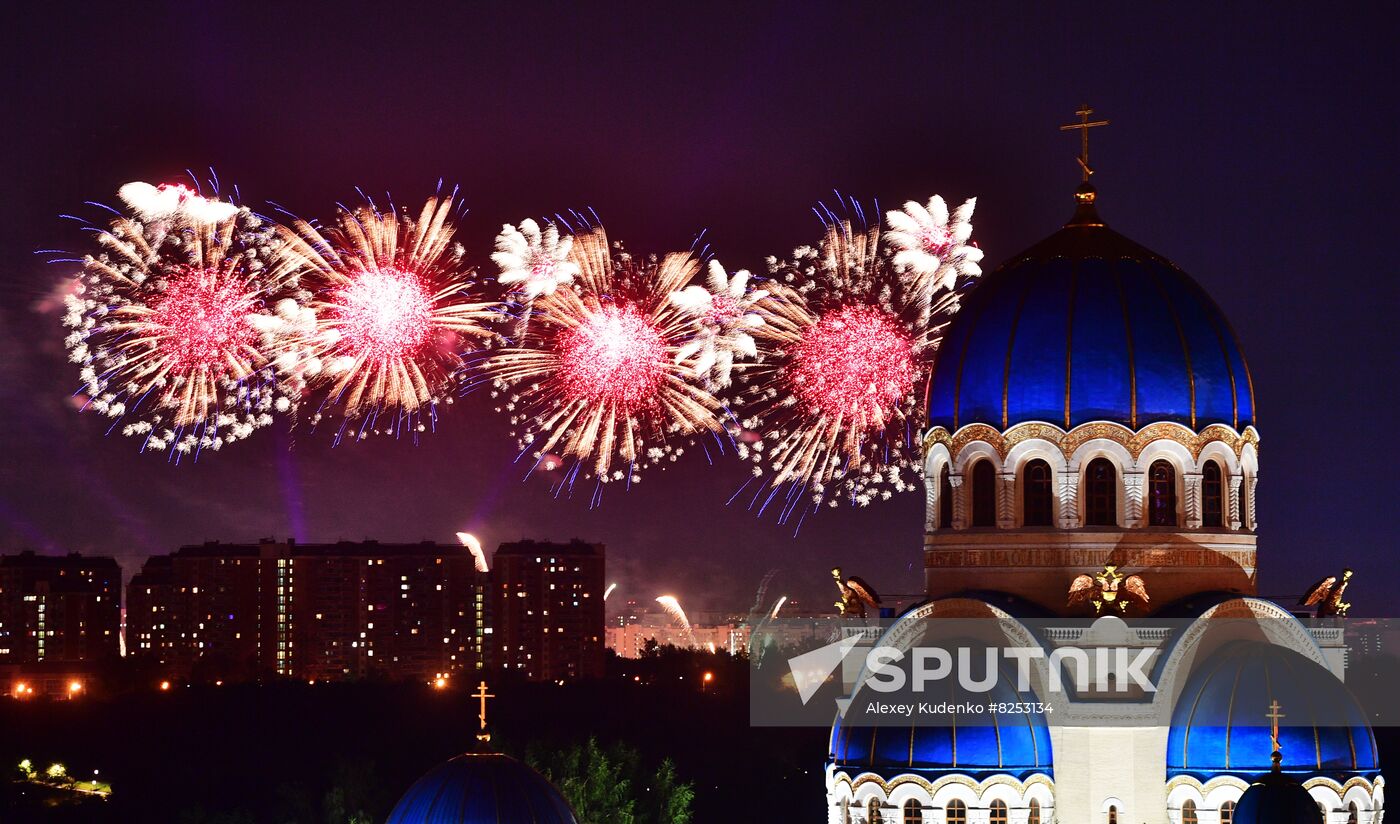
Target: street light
[
  {"x": 164, "y": 686},
  {"x": 74, "y": 687}
]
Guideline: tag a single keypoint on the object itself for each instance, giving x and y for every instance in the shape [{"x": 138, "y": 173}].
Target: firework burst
[
  {"x": 394, "y": 311},
  {"x": 598, "y": 371},
  {"x": 848, "y": 334},
  {"x": 166, "y": 321}
]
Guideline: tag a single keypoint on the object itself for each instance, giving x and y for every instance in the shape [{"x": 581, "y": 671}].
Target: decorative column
[
  {"x": 1068, "y": 499},
  {"x": 1132, "y": 499},
  {"x": 930, "y": 504},
  {"x": 1193, "y": 500},
  {"x": 1006, "y": 501},
  {"x": 959, "y": 501},
  {"x": 1251, "y": 483},
  {"x": 1234, "y": 514}
]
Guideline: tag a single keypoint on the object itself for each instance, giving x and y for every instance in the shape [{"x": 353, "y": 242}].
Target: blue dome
[
  {"x": 973, "y": 744},
  {"x": 1277, "y": 799},
  {"x": 1219, "y": 723},
  {"x": 1089, "y": 326},
  {"x": 482, "y": 788}
]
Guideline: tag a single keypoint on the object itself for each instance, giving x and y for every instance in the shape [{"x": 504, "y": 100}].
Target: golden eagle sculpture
[
  {"x": 856, "y": 595},
  {"x": 1326, "y": 595},
  {"x": 1108, "y": 588}
]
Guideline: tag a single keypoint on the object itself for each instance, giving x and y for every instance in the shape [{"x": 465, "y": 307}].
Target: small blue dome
[
  {"x": 964, "y": 743},
  {"x": 482, "y": 788},
  {"x": 1276, "y": 799},
  {"x": 1220, "y": 724},
  {"x": 1089, "y": 326}
]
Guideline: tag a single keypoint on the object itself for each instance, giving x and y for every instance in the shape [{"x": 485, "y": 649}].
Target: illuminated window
[
  {"x": 1038, "y": 501},
  {"x": 945, "y": 499},
  {"x": 1212, "y": 495},
  {"x": 1188, "y": 812},
  {"x": 999, "y": 812},
  {"x": 913, "y": 812},
  {"x": 1101, "y": 493},
  {"x": 984, "y": 494},
  {"x": 1161, "y": 494},
  {"x": 956, "y": 812}
]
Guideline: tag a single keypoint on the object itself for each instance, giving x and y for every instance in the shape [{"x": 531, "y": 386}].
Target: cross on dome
[{"x": 1083, "y": 127}]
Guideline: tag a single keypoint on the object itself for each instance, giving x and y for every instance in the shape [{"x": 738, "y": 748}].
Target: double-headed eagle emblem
[
  {"x": 1108, "y": 588},
  {"x": 856, "y": 595},
  {"x": 1326, "y": 595}
]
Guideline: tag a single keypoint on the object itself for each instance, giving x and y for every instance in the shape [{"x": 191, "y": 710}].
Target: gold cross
[
  {"x": 1084, "y": 126},
  {"x": 1274, "y": 717},
  {"x": 481, "y": 695}
]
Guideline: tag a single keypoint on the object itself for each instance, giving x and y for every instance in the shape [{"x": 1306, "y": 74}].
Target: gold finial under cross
[
  {"x": 1084, "y": 125},
  {"x": 1274, "y": 717},
  {"x": 481, "y": 695}
]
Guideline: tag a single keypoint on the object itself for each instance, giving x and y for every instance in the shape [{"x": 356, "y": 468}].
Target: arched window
[
  {"x": 999, "y": 812},
  {"x": 1112, "y": 815},
  {"x": 1034, "y": 817},
  {"x": 1037, "y": 494},
  {"x": 1212, "y": 495},
  {"x": 913, "y": 812},
  {"x": 945, "y": 499},
  {"x": 1353, "y": 813},
  {"x": 1161, "y": 494},
  {"x": 845, "y": 812},
  {"x": 984, "y": 494},
  {"x": 956, "y": 812},
  {"x": 1101, "y": 493},
  {"x": 1188, "y": 812},
  {"x": 1227, "y": 813},
  {"x": 873, "y": 809}
]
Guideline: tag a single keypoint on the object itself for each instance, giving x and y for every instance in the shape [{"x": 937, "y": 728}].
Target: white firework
[
  {"x": 534, "y": 261},
  {"x": 931, "y": 247},
  {"x": 173, "y": 203},
  {"x": 725, "y": 309}
]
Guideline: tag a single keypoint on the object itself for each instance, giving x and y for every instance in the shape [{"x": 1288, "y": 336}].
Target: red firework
[
  {"x": 856, "y": 363},
  {"x": 616, "y": 356},
  {"x": 384, "y": 314},
  {"x": 200, "y": 323}
]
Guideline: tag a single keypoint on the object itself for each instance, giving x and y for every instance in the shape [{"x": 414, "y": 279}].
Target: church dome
[
  {"x": 1276, "y": 799},
  {"x": 1220, "y": 722},
  {"x": 977, "y": 744},
  {"x": 482, "y": 788},
  {"x": 1089, "y": 326}
]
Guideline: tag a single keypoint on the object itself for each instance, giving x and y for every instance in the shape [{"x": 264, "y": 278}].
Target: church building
[{"x": 1092, "y": 416}]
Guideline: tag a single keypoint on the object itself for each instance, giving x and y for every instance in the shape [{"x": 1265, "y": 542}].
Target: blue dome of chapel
[
  {"x": 1089, "y": 326},
  {"x": 1220, "y": 722},
  {"x": 960, "y": 742},
  {"x": 482, "y": 788}
]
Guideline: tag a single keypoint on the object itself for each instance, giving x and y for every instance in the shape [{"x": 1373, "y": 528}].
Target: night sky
[{"x": 1254, "y": 146}]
